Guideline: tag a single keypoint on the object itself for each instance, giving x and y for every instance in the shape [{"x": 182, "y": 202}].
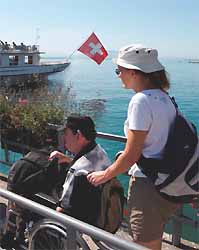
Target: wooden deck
[{"x": 123, "y": 233}]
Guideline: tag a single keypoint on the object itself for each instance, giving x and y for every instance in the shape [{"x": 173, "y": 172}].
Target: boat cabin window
[
  {"x": 13, "y": 60},
  {"x": 28, "y": 59}
]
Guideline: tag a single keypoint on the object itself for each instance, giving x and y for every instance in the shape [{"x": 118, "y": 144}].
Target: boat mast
[{"x": 37, "y": 36}]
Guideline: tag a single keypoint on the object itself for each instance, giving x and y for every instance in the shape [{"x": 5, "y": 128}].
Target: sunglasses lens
[{"x": 117, "y": 71}]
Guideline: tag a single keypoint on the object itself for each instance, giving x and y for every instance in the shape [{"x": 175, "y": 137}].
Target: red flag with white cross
[{"x": 94, "y": 49}]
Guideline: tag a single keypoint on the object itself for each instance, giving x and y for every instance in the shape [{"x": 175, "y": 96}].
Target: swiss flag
[{"x": 94, "y": 49}]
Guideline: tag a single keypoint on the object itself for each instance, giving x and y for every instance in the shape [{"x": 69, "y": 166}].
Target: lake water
[{"x": 90, "y": 81}]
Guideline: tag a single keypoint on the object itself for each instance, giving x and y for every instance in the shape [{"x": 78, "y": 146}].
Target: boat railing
[
  {"x": 7, "y": 48},
  {"x": 177, "y": 220}
]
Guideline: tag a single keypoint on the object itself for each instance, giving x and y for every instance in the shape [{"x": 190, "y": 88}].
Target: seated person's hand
[
  {"x": 59, "y": 209},
  {"x": 62, "y": 158}
]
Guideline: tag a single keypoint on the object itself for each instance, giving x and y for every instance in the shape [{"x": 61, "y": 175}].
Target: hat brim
[{"x": 147, "y": 68}]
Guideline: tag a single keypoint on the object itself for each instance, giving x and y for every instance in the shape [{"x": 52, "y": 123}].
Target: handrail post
[
  {"x": 71, "y": 238},
  {"x": 177, "y": 229},
  {"x": 6, "y": 152}
]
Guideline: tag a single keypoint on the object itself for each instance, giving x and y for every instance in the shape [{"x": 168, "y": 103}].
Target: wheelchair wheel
[{"x": 51, "y": 235}]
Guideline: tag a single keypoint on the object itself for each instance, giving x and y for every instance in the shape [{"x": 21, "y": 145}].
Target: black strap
[
  {"x": 45, "y": 166},
  {"x": 174, "y": 102},
  {"x": 151, "y": 166},
  {"x": 32, "y": 162}
]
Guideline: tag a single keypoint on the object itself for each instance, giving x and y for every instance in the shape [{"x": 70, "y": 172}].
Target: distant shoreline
[{"x": 193, "y": 61}]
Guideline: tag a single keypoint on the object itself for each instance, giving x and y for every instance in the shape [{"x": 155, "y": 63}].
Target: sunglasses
[{"x": 117, "y": 71}]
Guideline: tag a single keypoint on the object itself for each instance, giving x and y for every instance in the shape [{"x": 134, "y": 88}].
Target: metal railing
[
  {"x": 72, "y": 224},
  {"x": 177, "y": 219},
  {"x": 111, "y": 137}
]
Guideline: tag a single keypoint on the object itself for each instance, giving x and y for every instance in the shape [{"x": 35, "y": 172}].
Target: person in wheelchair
[
  {"x": 81, "y": 199},
  {"x": 27, "y": 177}
]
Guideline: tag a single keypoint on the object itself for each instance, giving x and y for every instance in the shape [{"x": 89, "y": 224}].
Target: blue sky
[{"x": 171, "y": 25}]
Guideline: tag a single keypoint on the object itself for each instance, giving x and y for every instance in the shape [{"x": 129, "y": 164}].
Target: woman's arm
[{"x": 131, "y": 155}]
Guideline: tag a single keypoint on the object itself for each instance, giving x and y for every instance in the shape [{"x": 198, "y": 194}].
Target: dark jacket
[{"x": 81, "y": 199}]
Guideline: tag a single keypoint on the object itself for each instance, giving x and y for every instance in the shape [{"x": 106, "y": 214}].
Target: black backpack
[
  {"x": 180, "y": 162},
  {"x": 34, "y": 173}
]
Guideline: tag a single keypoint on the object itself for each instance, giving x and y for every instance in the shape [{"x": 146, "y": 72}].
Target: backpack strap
[
  {"x": 31, "y": 162},
  {"x": 174, "y": 102},
  {"x": 177, "y": 112},
  {"x": 43, "y": 167},
  {"x": 152, "y": 166}
]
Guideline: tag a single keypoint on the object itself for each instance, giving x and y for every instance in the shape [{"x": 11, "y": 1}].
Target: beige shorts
[{"x": 148, "y": 211}]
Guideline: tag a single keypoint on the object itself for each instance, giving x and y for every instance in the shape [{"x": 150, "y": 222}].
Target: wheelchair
[{"x": 41, "y": 233}]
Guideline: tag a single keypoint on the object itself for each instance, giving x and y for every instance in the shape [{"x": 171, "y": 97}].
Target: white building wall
[
  {"x": 4, "y": 60},
  {"x": 36, "y": 59},
  {"x": 21, "y": 60}
]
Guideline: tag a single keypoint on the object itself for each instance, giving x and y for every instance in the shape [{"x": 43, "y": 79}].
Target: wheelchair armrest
[
  {"x": 45, "y": 200},
  {"x": 3, "y": 178}
]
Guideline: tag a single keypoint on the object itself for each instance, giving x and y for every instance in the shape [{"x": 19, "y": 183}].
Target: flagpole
[
  {"x": 72, "y": 54},
  {"x": 77, "y": 48}
]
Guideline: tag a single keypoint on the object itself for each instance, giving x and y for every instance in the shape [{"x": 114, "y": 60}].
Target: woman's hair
[
  {"x": 84, "y": 124},
  {"x": 159, "y": 79}
]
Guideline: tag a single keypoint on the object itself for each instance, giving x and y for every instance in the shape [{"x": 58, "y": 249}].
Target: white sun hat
[{"x": 137, "y": 56}]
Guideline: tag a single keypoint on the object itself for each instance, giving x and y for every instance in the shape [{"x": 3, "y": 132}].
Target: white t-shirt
[{"x": 152, "y": 111}]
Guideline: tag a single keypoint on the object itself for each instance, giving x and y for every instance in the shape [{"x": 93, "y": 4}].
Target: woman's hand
[
  {"x": 97, "y": 178},
  {"x": 62, "y": 158}
]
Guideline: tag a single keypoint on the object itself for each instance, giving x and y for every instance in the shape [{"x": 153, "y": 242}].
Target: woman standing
[{"x": 150, "y": 116}]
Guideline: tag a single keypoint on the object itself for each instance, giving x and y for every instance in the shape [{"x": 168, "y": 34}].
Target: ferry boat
[{"x": 20, "y": 60}]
